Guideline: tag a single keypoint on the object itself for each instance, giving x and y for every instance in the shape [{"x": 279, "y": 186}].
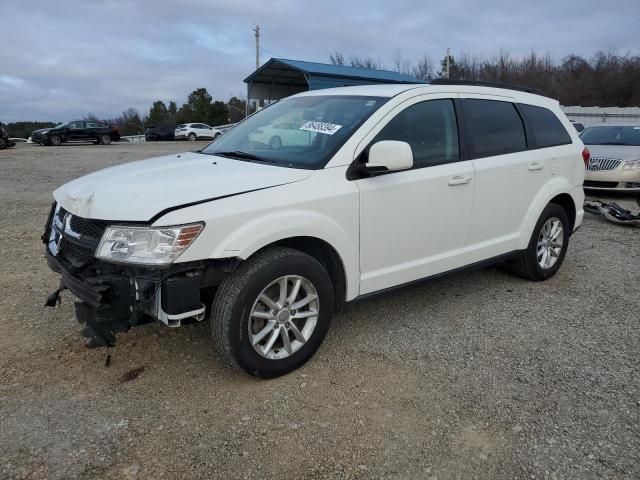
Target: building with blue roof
[{"x": 280, "y": 77}]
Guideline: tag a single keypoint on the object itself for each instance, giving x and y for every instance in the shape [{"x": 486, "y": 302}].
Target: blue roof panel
[{"x": 312, "y": 69}]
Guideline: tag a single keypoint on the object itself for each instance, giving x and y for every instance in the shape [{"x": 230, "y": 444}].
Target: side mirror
[{"x": 389, "y": 155}]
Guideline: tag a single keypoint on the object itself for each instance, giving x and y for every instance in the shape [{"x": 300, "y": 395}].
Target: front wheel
[
  {"x": 192, "y": 137},
  {"x": 547, "y": 246},
  {"x": 105, "y": 139},
  {"x": 56, "y": 140},
  {"x": 270, "y": 316}
]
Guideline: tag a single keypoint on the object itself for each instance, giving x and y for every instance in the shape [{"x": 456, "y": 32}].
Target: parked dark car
[
  {"x": 5, "y": 141},
  {"x": 76, "y": 131},
  {"x": 159, "y": 132}
]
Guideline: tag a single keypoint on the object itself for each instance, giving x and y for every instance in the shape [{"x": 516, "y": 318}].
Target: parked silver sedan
[{"x": 615, "y": 156}]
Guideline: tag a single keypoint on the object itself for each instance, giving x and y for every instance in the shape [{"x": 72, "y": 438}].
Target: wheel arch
[
  {"x": 326, "y": 255},
  {"x": 556, "y": 191}
]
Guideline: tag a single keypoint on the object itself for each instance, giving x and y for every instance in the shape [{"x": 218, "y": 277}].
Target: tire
[
  {"x": 528, "y": 264},
  {"x": 237, "y": 299},
  {"x": 3, "y": 143},
  {"x": 104, "y": 139},
  {"x": 192, "y": 137},
  {"x": 275, "y": 142},
  {"x": 55, "y": 140},
  {"x": 215, "y": 137}
]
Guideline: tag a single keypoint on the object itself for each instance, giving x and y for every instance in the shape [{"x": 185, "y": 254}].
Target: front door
[{"x": 414, "y": 223}]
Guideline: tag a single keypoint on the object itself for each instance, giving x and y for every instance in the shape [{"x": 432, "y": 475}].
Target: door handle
[
  {"x": 459, "y": 180},
  {"x": 535, "y": 166}
]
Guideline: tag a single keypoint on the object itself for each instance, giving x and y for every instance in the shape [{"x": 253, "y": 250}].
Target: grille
[
  {"x": 79, "y": 240},
  {"x": 590, "y": 183},
  {"x": 74, "y": 255},
  {"x": 87, "y": 229},
  {"x": 600, "y": 164}
]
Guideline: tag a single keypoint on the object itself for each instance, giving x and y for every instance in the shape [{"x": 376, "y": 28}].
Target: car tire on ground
[
  {"x": 192, "y": 137},
  {"x": 3, "y": 143},
  {"x": 216, "y": 135},
  {"x": 547, "y": 246},
  {"x": 270, "y": 316},
  {"x": 55, "y": 140},
  {"x": 275, "y": 142},
  {"x": 105, "y": 139}
]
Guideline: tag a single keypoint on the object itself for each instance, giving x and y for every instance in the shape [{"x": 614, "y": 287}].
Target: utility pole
[
  {"x": 448, "y": 61},
  {"x": 256, "y": 29}
]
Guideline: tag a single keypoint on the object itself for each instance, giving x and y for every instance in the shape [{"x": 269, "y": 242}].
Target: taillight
[{"x": 586, "y": 155}]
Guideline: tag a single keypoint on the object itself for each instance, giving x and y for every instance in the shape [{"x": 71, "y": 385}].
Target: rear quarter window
[
  {"x": 546, "y": 126},
  {"x": 493, "y": 128}
]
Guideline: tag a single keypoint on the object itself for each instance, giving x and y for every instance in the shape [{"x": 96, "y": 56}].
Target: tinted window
[
  {"x": 430, "y": 128},
  {"x": 95, "y": 125},
  {"x": 547, "y": 128},
  {"x": 493, "y": 128},
  {"x": 76, "y": 125}
]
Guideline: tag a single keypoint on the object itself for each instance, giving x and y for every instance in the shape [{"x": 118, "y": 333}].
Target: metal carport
[{"x": 280, "y": 77}]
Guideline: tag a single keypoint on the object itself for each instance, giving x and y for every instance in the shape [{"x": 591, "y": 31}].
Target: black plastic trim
[{"x": 472, "y": 266}]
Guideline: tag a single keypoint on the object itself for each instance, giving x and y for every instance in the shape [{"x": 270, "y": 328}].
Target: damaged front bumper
[{"x": 115, "y": 297}]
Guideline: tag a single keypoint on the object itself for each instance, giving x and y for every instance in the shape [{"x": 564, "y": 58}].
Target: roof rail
[{"x": 479, "y": 83}]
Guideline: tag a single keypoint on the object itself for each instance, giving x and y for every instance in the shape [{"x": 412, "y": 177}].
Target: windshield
[
  {"x": 64, "y": 124},
  {"x": 613, "y": 135},
  {"x": 299, "y": 132}
]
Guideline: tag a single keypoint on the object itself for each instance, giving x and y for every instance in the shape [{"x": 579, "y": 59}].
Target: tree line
[
  {"x": 604, "y": 79},
  {"x": 200, "y": 107}
]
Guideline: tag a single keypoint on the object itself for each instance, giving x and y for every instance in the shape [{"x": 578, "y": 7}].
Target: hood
[
  {"x": 623, "y": 152},
  {"x": 41, "y": 130},
  {"x": 138, "y": 191}
]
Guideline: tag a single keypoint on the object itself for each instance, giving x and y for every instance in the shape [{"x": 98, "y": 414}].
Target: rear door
[
  {"x": 509, "y": 175},
  {"x": 414, "y": 223},
  {"x": 77, "y": 131}
]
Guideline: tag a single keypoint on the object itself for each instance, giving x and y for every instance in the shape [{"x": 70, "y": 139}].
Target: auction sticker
[{"x": 321, "y": 127}]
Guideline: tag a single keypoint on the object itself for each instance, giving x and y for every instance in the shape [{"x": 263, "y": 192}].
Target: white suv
[
  {"x": 196, "y": 131},
  {"x": 393, "y": 184}
]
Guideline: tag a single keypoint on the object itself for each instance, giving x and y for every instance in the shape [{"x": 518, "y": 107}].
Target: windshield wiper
[{"x": 242, "y": 155}]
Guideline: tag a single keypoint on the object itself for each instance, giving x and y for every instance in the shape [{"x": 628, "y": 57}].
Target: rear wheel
[
  {"x": 547, "y": 246},
  {"x": 271, "y": 315},
  {"x": 105, "y": 139},
  {"x": 55, "y": 140},
  {"x": 192, "y": 137}
]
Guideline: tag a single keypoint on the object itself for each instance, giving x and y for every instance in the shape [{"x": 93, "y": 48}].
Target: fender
[
  {"x": 251, "y": 236},
  {"x": 551, "y": 189}
]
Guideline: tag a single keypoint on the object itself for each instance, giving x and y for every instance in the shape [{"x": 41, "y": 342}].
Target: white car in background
[
  {"x": 283, "y": 134},
  {"x": 196, "y": 131}
]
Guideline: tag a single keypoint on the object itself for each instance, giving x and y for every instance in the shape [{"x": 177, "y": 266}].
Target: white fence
[{"x": 591, "y": 115}]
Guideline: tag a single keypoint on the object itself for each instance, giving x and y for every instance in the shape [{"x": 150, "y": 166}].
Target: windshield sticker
[
  {"x": 321, "y": 127},
  {"x": 370, "y": 103}
]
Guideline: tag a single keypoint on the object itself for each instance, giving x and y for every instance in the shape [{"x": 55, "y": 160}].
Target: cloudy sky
[{"x": 64, "y": 58}]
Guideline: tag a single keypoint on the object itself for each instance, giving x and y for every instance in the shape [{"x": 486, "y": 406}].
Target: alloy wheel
[
  {"x": 283, "y": 317},
  {"x": 550, "y": 243}
]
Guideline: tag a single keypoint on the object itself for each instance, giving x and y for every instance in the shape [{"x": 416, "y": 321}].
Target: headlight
[
  {"x": 631, "y": 164},
  {"x": 146, "y": 245}
]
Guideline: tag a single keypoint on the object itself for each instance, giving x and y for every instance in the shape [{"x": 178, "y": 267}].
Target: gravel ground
[{"x": 476, "y": 375}]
